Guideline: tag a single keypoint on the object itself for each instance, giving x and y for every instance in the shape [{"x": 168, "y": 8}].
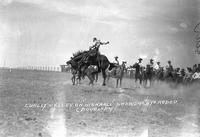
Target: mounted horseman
[
  {"x": 113, "y": 72},
  {"x": 169, "y": 72},
  {"x": 116, "y": 61},
  {"x": 138, "y": 71},
  {"x": 93, "y": 57},
  {"x": 158, "y": 72},
  {"x": 93, "y": 51},
  {"x": 77, "y": 71},
  {"x": 117, "y": 73},
  {"x": 150, "y": 71}
]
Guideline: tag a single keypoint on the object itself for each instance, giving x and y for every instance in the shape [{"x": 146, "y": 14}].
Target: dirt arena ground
[{"x": 46, "y": 104}]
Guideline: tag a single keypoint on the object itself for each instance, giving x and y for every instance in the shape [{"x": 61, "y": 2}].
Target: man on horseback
[
  {"x": 169, "y": 67},
  {"x": 138, "y": 71},
  {"x": 93, "y": 57},
  {"x": 150, "y": 67},
  {"x": 93, "y": 50},
  {"x": 150, "y": 71},
  {"x": 151, "y": 63},
  {"x": 97, "y": 44},
  {"x": 140, "y": 61},
  {"x": 116, "y": 61},
  {"x": 169, "y": 70},
  {"x": 159, "y": 72},
  {"x": 157, "y": 66}
]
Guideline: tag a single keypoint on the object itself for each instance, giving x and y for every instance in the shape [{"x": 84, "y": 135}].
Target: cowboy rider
[
  {"x": 97, "y": 44},
  {"x": 116, "y": 61},
  {"x": 150, "y": 67},
  {"x": 94, "y": 49},
  {"x": 139, "y": 64},
  {"x": 151, "y": 63},
  {"x": 157, "y": 66},
  {"x": 169, "y": 67},
  {"x": 140, "y": 61}
]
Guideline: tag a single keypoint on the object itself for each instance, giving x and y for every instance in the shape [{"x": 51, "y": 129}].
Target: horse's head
[
  {"x": 72, "y": 63},
  {"x": 135, "y": 65},
  {"x": 68, "y": 62}
]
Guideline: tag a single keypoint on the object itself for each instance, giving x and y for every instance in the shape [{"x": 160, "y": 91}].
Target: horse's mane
[{"x": 79, "y": 52}]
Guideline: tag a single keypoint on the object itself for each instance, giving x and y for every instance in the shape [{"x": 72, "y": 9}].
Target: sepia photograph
[{"x": 99, "y": 68}]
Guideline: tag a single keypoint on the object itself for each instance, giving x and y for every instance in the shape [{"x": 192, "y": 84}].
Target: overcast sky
[{"x": 47, "y": 32}]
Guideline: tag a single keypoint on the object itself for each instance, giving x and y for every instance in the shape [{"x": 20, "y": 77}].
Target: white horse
[
  {"x": 117, "y": 73},
  {"x": 196, "y": 75}
]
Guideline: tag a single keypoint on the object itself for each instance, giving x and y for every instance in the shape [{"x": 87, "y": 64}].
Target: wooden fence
[
  {"x": 129, "y": 73},
  {"x": 44, "y": 68}
]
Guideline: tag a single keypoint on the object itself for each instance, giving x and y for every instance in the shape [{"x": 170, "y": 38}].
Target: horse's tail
[{"x": 110, "y": 67}]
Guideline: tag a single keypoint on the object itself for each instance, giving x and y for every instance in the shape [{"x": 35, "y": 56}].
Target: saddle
[{"x": 90, "y": 54}]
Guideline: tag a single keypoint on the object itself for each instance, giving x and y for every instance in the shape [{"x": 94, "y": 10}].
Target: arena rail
[{"x": 61, "y": 68}]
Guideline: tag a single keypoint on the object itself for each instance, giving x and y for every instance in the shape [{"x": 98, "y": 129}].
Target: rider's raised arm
[{"x": 104, "y": 43}]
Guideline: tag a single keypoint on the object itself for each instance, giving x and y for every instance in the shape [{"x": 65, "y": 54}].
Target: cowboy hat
[
  {"x": 140, "y": 59},
  {"x": 94, "y": 38},
  {"x": 116, "y": 56},
  {"x": 151, "y": 59}
]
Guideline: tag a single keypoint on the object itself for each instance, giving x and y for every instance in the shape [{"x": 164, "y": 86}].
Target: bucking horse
[{"x": 82, "y": 66}]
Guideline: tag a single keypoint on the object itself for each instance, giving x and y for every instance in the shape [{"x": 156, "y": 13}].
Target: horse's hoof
[{"x": 103, "y": 84}]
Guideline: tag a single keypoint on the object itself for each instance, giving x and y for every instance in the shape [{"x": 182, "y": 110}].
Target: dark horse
[
  {"x": 74, "y": 70},
  {"x": 75, "y": 66},
  {"x": 138, "y": 73},
  {"x": 102, "y": 62},
  {"x": 149, "y": 74}
]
